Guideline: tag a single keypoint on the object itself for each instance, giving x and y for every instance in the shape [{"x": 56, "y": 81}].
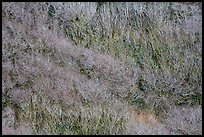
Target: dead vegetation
[{"x": 63, "y": 75}]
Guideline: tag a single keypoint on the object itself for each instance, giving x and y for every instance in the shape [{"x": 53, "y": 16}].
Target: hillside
[{"x": 101, "y": 68}]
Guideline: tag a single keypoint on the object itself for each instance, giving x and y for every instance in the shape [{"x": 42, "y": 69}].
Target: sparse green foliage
[
  {"x": 189, "y": 99},
  {"x": 142, "y": 83},
  {"x": 51, "y": 11},
  {"x": 139, "y": 102}
]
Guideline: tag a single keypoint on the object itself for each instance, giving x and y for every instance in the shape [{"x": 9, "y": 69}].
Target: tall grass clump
[{"x": 46, "y": 117}]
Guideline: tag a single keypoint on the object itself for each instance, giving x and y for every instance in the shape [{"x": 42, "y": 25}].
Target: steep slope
[{"x": 52, "y": 86}]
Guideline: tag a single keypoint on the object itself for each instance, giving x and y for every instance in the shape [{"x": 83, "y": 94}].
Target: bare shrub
[{"x": 84, "y": 62}]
